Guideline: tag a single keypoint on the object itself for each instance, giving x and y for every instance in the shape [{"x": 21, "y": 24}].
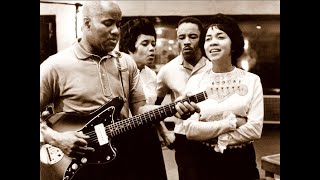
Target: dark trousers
[
  {"x": 139, "y": 157},
  {"x": 198, "y": 162}
]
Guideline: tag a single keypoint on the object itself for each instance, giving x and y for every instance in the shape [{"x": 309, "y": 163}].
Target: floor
[{"x": 267, "y": 145}]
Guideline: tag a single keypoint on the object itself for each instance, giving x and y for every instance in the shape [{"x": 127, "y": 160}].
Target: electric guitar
[{"x": 102, "y": 125}]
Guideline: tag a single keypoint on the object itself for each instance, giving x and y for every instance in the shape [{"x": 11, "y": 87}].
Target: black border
[{"x": 20, "y": 89}]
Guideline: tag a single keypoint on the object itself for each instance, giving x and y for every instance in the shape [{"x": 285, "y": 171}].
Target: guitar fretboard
[{"x": 157, "y": 114}]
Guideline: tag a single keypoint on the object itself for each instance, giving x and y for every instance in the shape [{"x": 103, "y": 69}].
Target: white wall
[
  {"x": 198, "y": 7},
  {"x": 65, "y": 22},
  {"x": 65, "y": 14}
]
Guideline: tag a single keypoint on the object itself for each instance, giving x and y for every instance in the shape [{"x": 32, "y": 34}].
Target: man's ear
[{"x": 86, "y": 22}]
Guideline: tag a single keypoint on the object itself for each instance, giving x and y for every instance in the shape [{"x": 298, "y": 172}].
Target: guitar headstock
[{"x": 221, "y": 92}]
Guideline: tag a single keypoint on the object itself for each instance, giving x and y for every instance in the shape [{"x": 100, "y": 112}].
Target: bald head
[{"x": 94, "y": 8}]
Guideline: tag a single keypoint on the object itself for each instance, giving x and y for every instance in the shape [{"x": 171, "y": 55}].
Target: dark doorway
[{"x": 48, "y": 37}]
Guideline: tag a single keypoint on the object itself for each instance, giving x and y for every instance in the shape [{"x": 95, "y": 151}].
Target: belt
[
  {"x": 239, "y": 145},
  {"x": 212, "y": 145}
]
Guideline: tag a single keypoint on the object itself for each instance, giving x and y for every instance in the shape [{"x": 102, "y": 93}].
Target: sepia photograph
[{"x": 160, "y": 90}]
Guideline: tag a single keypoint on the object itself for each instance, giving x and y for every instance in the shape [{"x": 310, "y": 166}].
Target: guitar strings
[
  {"x": 134, "y": 121},
  {"x": 120, "y": 126},
  {"x": 137, "y": 120}
]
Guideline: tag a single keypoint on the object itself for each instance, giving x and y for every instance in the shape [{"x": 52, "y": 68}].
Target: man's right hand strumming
[{"x": 71, "y": 143}]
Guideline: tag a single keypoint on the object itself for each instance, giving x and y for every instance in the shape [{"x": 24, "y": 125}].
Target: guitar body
[{"x": 54, "y": 165}]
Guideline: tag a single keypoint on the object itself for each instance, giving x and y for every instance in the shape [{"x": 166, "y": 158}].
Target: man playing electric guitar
[{"x": 87, "y": 84}]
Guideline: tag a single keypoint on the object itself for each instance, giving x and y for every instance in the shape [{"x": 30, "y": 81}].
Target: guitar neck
[{"x": 152, "y": 116}]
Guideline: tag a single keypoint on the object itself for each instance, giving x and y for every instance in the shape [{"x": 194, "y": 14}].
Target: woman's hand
[
  {"x": 168, "y": 138},
  {"x": 240, "y": 121}
]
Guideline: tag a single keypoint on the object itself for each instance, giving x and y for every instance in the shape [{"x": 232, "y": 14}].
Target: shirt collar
[
  {"x": 184, "y": 63},
  {"x": 181, "y": 59},
  {"x": 83, "y": 54},
  {"x": 202, "y": 62}
]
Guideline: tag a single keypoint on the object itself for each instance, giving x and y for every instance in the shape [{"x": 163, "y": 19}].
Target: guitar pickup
[{"x": 101, "y": 134}]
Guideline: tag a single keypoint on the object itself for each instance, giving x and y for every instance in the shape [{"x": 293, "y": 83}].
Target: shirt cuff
[{"x": 223, "y": 141}]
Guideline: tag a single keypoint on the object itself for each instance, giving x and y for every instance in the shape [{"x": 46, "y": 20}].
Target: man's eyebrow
[{"x": 108, "y": 19}]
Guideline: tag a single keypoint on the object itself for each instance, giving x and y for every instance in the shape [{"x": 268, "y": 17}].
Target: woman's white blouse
[
  {"x": 149, "y": 81},
  {"x": 237, "y": 92}
]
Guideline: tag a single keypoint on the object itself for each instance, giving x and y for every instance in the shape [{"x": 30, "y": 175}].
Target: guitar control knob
[
  {"x": 108, "y": 158},
  {"x": 84, "y": 160},
  {"x": 74, "y": 166}
]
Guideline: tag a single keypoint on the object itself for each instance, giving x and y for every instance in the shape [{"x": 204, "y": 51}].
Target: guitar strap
[{"x": 120, "y": 74}]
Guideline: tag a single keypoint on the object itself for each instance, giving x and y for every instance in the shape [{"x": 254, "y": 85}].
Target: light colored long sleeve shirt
[{"x": 237, "y": 92}]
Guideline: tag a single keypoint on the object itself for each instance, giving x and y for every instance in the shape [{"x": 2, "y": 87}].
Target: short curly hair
[
  {"x": 130, "y": 31},
  {"x": 228, "y": 25}
]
